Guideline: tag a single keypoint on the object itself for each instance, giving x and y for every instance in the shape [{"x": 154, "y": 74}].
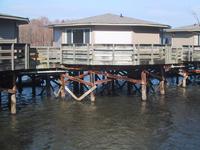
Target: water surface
[{"x": 170, "y": 122}]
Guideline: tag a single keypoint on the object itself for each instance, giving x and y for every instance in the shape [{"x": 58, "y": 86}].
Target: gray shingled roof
[
  {"x": 190, "y": 28},
  {"x": 110, "y": 19},
  {"x": 21, "y": 20}
]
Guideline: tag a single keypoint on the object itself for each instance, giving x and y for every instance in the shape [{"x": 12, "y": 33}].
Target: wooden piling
[
  {"x": 162, "y": 87},
  {"x": 13, "y": 100},
  {"x": 143, "y": 84},
  {"x": 81, "y": 85},
  {"x": 62, "y": 81},
  {"x": 48, "y": 85},
  {"x": 76, "y": 87},
  {"x": 0, "y": 100},
  {"x": 92, "y": 80},
  {"x": 162, "y": 82},
  {"x": 33, "y": 85},
  {"x": 185, "y": 76},
  {"x": 13, "y": 96}
]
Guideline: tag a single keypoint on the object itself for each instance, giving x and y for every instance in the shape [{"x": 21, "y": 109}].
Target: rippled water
[{"x": 167, "y": 122}]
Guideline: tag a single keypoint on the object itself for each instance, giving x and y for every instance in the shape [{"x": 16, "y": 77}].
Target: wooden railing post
[
  {"x": 74, "y": 54},
  {"x": 138, "y": 54},
  {"x": 113, "y": 54},
  {"x": 48, "y": 55},
  {"x": 12, "y": 57},
  {"x": 152, "y": 53},
  {"x": 26, "y": 59},
  {"x": 88, "y": 54}
]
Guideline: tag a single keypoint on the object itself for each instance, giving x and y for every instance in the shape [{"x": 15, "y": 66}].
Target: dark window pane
[
  {"x": 87, "y": 36},
  {"x": 78, "y": 36},
  {"x": 69, "y": 37}
]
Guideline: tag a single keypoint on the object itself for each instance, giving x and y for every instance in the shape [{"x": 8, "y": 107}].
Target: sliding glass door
[{"x": 78, "y": 36}]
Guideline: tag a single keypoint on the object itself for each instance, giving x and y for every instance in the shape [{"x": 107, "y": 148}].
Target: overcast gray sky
[{"x": 172, "y": 12}]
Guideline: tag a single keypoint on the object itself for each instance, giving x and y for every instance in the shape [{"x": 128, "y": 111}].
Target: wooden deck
[{"x": 22, "y": 56}]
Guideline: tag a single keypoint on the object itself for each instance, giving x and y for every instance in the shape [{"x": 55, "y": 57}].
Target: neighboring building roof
[
  {"x": 190, "y": 28},
  {"x": 21, "y": 20},
  {"x": 110, "y": 19}
]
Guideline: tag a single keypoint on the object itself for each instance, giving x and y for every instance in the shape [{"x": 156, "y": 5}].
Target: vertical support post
[
  {"x": 33, "y": 85},
  {"x": 0, "y": 100},
  {"x": 133, "y": 56},
  {"x": 74, "y": 54},
  {"x": 92, "y": 96},
  {"x": 61, "y": 55},
  {"x": 192, "y": 55},
  {"x": 48, "y": 86},
  {"x": 62, "y": 92},
  {"x": 138, "y": 54},
  {"x": 143, "y": 84},
  {"x": 48, "y": 55},
  {"x": 162, "y": 82},
  {"x": 13, "y": 97},
  {"x": 185, "y": 76},
  {"x": 177, "y": 79},
  {"x": 88, "y": 54},
  {"x": 76, "y": 88},
  {"x": 113, "y": 54},
  {"x": 81, "y": 85},
  {"x": 152, "y": 54},
  {"x": 26, "y": 59},
  {"x": 113, "y": 84},
  {"x": 129, "y": 85},
  {"x": 12, "y": 57}
]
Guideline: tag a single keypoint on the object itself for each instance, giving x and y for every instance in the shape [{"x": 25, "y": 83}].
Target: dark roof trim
[{"x": 21, "y": 20}]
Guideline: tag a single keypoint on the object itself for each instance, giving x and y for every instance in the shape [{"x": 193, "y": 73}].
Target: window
[
  {"x": 198, "y": 39},
  {"x": 78, "y": 36}
]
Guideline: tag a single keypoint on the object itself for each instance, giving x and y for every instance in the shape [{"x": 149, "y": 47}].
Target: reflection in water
[{"x": 163, "y": 122}]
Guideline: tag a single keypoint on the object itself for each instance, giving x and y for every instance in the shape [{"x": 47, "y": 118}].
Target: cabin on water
[
  {"x": 108, "y": 29},
  {"x": 186, "y": 35},
  {"x": 9, "y": 24}
]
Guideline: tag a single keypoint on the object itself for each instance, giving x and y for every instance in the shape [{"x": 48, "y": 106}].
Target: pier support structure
[
  {"x": 143, "y": 84},
  {"x": 185, "y": 76},
  {"x": 13, "y": 92},
  {"x": 62, "y": 88},
  {"x": 92, "y": 80},
  {"x": 162, "y": 82}
]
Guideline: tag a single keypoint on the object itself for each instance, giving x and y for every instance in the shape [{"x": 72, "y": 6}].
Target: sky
[{"x": 172, "y": 12}]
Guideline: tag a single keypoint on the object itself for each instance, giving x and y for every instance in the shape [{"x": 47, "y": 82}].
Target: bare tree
[{"x": 37, "y": 32}]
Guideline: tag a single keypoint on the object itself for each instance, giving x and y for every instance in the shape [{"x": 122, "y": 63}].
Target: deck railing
[
  {"x": 21, "y": 56},
  {"x": 14, "y": 56},
  {"x": 114, "y": 54}
]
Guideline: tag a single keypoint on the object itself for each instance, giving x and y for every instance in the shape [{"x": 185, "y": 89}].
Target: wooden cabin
[
  {"x": 108, "y": 29},
  {"x": 9, "y": 27},
  {"x": 11, "y": 52},
  {"x": 186, "y": 35}
]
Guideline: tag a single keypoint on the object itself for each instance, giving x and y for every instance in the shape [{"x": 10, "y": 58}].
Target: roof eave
[
  {"x": 20, "y": 20},
  {"x": 105, "y": 24}
]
